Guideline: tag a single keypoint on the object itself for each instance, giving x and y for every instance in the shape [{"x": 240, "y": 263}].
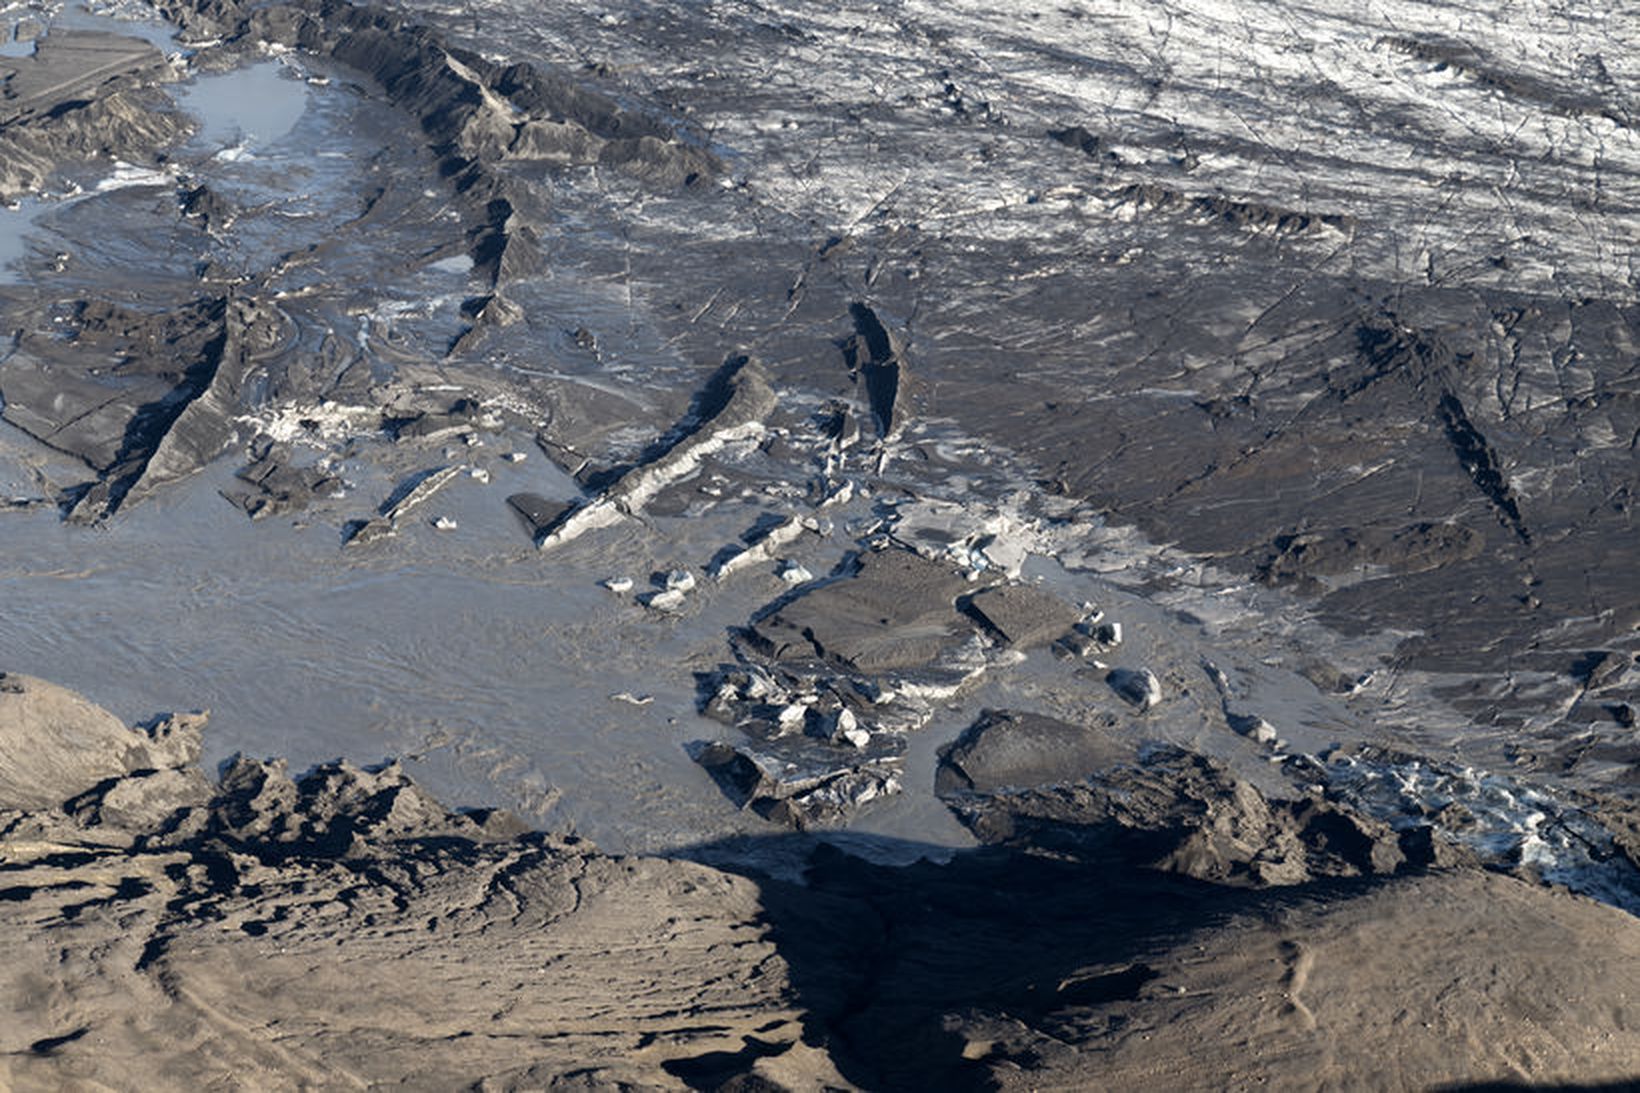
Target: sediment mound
[
  {"x": 80, "y": 94},
  {"x": 54, "y": 745},
  {"x": 341, "y": 927},
  {"x": 1006, "y": 971}
]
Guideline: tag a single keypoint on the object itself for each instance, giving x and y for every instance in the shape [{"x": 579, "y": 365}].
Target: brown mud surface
[{"x": 341, "y": 929}]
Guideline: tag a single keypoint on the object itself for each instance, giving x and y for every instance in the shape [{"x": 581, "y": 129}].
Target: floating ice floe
[
  {"x": 1090, "y": 636},
  {"x": 413, "y": 491},
  {"x": 797, "y": 789},
  {"x": 668, "y": 600},
  {"x": 1021, "y": 616},
  {"x": 843, "y": 727},
  {"x": 744, "y": 399}
]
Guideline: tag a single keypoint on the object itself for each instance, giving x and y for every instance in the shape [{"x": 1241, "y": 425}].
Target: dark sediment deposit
[
  {"x": 957, "y": 547},
  {"x": 77, "y": 96},
  {"x": 341, "y": 926}
]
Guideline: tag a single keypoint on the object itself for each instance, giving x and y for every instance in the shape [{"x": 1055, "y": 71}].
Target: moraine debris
[{"x": 1137, "y": 686}]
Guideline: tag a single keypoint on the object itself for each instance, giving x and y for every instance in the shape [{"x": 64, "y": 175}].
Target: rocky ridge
[{"x": 340, "y": 926}]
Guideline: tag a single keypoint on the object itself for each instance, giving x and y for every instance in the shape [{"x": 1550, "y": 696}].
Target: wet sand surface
[{"x": 1183, "y": 451}]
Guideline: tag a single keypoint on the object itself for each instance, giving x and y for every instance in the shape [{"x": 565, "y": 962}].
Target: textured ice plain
[
  {"x": 1302, "y": 480},
  {"x": 1282, "y": 272},
  {"x": 1248, "y": 288}
]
